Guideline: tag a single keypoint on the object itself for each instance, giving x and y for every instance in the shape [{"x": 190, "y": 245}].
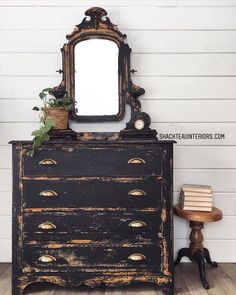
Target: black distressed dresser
[
  {"x": 93, "y": 212},
  {"x": 95, "y": 208}
]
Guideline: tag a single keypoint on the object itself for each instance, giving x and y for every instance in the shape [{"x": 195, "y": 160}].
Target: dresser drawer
[
  {"x": 63, "y": 226},
  {"x": 105, "y": 192},
  {"x": 74, "y": 258},
  {"x": 77, "y": 161}
]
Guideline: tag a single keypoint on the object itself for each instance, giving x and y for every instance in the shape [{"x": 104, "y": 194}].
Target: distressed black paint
[
  {"x": 79, "y": 160},
  {"x": 109, "y": 192},
  {"x": 80, "y": 224},
  {"x": 92, "y": 212}
]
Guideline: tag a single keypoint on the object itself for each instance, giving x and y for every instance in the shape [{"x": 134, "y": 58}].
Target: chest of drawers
[{"x": 92, "y": 213}]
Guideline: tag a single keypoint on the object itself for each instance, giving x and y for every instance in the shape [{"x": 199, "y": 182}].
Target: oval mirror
[{"x": 96, "y": 78}]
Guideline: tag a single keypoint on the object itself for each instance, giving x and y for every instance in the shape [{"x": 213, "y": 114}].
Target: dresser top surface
[{"x": 100, "y": 138}]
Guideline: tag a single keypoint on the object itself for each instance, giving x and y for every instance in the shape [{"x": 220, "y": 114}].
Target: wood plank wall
[{"x": 185, "y": 54}]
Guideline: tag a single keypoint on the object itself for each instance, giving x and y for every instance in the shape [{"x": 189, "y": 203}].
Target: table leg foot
[
  {"x": 199, "y": 257},
  {"x": 208, "y": 258},
  {"x": 182, "y": 252}
]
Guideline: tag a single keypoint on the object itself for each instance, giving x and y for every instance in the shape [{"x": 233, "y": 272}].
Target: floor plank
[
  {"x": 180, "y": 284},
  {"x": 191, "y": 278},
  {"x": 222, "y": 281},
  {"x": 5, "y": 278}
]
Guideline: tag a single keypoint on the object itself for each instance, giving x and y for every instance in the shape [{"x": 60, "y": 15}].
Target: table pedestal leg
[
  {"x": 208, "y": 258},
  {"x": 182, "y": 252},
  {"x": 196, "y": 251},
  {"x": 198, "y": 256}
]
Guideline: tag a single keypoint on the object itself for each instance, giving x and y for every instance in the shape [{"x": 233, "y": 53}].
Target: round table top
[{"x": 200, "y": 216}]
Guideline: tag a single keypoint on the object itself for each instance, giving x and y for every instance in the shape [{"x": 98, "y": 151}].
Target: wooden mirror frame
[{"x": 97, "y": 25}]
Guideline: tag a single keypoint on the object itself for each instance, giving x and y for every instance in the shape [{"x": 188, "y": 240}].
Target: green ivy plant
[
  {"x": 65, "y": 102},
  {"x": 46, "y": 124}
]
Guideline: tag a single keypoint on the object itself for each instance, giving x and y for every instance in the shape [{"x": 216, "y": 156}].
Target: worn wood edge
[
  {"x": 86, "y": 243},
  {"x": 111, "y": 141},
  {"x": 113, "y": 279},
  {"x": 88, "y": 178},
  {"x": 199, "y": 216},
  {"x": 87, "y": 209}
]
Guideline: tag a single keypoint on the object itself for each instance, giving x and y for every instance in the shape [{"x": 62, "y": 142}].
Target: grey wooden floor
[{"x": 222, "y": 281}]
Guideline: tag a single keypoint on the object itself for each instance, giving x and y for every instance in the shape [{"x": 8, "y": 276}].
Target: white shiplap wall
[{"x": 185, "y": 54}]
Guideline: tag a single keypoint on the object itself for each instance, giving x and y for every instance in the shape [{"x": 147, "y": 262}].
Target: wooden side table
[{"x": 196, "y": 251}]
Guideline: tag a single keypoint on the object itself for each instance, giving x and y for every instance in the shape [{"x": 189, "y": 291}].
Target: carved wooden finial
[{"x": 96, "y": 14}]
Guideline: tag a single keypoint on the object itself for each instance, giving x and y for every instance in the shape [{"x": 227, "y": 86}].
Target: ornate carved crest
[{"x": 96, "y": 22}]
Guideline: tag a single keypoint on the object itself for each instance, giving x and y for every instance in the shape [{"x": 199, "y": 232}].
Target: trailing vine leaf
[
  {"x": 47, "y": 89},
  {"x": 45, "y": 136},
  {"x": 30, "y": 153},
  {"x": 36, "y": 133},
  {"x": 42, "y": 95},
  {"x": 67, "y": 107},
  {"x": 37, "y": 142},
  {"x": 49, "y": 123}
]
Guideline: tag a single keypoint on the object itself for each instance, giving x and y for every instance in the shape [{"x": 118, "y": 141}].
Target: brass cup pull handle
[
  {"x": 137, "y": 224},
  {"x": 137, "y": 193},
  {"x": 137, "y": 257},
  {"x": 48, "y": 194},
  {"x": 48, "y": 162},
  {"x": 136, "y": 161},
  {"x": 47, "y": 259},
  {"x": 47, "y": 226}
]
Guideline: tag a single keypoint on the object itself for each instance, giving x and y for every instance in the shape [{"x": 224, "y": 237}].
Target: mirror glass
[{"x": 96, "y": 77}]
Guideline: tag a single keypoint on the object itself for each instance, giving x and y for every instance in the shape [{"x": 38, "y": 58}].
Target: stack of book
[{"x": 196, "y": 197}]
